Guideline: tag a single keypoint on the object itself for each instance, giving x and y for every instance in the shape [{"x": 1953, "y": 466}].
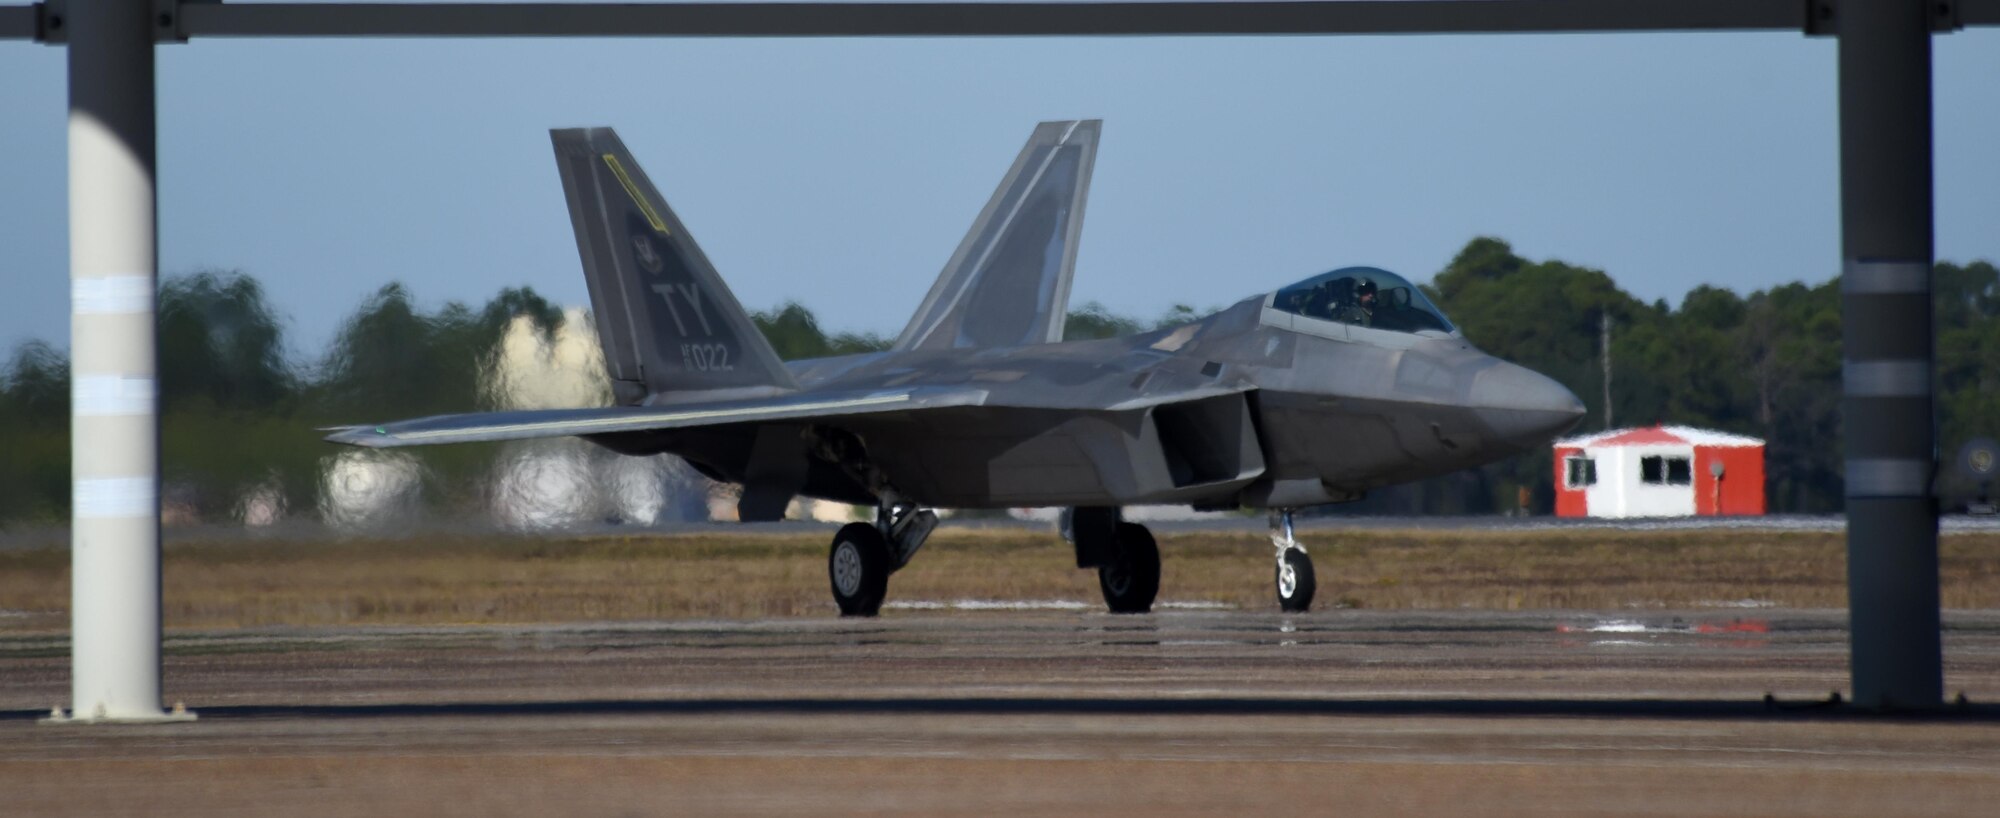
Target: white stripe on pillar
[
  {"x": 106, "y": 395},
  {"x": 111, "y": 295}
]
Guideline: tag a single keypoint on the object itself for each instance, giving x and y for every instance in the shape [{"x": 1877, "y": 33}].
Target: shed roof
[{"x": 1655, "y": 436}]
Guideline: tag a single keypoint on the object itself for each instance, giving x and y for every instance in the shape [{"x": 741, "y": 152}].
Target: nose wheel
[{"x": 1296, "y": 581}]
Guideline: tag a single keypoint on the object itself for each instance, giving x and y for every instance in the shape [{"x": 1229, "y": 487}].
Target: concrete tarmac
[{"x": 1036, "y": 712}]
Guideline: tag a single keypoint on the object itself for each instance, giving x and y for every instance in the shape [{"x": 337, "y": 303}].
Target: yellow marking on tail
[{"x": 632, "y": 190}]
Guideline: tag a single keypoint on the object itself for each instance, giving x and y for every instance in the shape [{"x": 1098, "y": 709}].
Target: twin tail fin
[
  {"x": 1008, "y": 282},
  {"x": 666, "y": 320}
]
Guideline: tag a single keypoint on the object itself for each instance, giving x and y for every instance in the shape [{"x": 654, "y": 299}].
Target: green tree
[
  {"x": 1791, "y": 341},
  {"x": 1968, "y": 350},
  {"x": 391, "y": 359},
  {"x": 795, "y": 334},
  {"x": 227, "y": 393},
  {"x": 1093, "y": 320},
  {"x": 220, "y": 345},
  {"x": 1544, "y": 316},
  {"x": 34, "y": 435}
]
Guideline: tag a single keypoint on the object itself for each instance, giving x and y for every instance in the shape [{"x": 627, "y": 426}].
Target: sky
[{"x": 842, "y": 173}]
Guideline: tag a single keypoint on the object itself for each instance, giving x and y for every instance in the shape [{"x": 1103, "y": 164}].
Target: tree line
[
  {"x": 239, "y": 410},
  {"x": 1765, "y": 364}
]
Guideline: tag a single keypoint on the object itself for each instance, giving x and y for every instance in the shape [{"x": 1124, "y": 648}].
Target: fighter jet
[{"x": 1308, "y": 394}]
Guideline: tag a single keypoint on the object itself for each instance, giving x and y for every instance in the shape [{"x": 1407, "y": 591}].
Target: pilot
[{"x": 1362, "y": 309}]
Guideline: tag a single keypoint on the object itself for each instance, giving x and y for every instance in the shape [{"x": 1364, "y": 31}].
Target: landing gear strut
[
  {"x": 865, "y": 554},
  {"x": 1295, "y": 580}
]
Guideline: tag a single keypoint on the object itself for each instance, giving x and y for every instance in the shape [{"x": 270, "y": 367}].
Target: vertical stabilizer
[
  {"x": 1008, "y": 282},
  {"x": 666, "y": 320}
]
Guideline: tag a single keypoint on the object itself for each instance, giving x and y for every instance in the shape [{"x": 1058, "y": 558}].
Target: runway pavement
[
  {"x": 1162, "y": 519},
  {"x": 1068, "y": 712}
]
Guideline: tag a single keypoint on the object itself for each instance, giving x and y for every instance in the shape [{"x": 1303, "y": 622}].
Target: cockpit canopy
[{"x": 1341, "y": 295}]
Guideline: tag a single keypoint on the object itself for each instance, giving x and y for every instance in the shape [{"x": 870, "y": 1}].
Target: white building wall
[
  {"x": 1621, "y": 493},
  {"x": 1604, "y": 498}
]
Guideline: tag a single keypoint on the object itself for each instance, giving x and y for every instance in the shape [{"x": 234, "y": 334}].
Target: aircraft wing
[
  {"x": 475, "y": 427},
  {"x": 523, "y": 425}
]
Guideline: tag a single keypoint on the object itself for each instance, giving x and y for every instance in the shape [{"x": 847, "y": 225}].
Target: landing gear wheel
[
  {"x": 1296, "y": 583},
  {"x": 858, "y": 567},
  {"x": 1132, "y": 580}
]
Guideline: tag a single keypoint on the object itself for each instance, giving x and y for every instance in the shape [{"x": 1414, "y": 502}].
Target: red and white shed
[{"x": 1659, "y": 471}]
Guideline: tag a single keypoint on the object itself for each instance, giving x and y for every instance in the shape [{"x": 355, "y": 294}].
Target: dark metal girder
[
  {"x": 949, "y": 19},
  {"x": 19, "y": 22},
  {"x": 988, "y": 19}
]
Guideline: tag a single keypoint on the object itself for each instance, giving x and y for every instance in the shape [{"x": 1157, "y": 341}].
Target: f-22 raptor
[{"x": 1309, "y": 394}]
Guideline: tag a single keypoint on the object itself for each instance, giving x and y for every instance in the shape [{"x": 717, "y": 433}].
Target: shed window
[
  {"x": 1579, "y": 472},
  {"x": 1660, "y": 470},
  {"x": 1678, "y": 472}
]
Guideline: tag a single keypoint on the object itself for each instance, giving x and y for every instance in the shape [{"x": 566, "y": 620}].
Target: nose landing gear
[{"x": 1295, "y": 579}]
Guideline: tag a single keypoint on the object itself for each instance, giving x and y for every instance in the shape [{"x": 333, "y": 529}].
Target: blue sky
[{"x": 841, "y": 173}]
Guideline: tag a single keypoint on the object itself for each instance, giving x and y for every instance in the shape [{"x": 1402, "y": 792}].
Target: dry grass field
[{"x": 485, "y": 579}]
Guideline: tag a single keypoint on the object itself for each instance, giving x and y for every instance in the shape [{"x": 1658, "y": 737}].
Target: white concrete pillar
[{"x": 114, "y": 394}]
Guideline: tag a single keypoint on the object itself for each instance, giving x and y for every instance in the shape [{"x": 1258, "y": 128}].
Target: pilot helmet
[{"x": 1363, "y": 287}]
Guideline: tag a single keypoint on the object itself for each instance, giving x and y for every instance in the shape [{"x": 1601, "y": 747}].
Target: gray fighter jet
[{"x": 1306, "y": 395}]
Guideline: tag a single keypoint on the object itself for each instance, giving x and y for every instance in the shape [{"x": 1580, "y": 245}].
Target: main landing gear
[
  {"x": 1132, "y": 579},
  {"x": 1296, "y": 582},
  {"x": 1124, "y": 554},
  {"x": 865, "y": 554}
]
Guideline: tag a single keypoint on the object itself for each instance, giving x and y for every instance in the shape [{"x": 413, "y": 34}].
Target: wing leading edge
[
  {"x": 478, "y": 427},
  {"x": 526, "y": 425}
]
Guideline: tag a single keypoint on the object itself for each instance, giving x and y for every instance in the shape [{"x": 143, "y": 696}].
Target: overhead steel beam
[
  {"x": 177, "y": 20},
  {"x": 921, "y": 19},
  {"x": 19, "y": 22}
]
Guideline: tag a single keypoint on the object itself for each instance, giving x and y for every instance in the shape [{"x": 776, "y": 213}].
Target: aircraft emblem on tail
[{"x": 643, "y": 252}]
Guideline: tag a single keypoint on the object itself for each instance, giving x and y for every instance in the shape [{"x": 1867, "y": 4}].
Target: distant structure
[{"x": 1659, "y": 471}]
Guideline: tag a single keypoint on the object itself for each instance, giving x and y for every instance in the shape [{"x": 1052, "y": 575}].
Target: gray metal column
[
  {"x": 114, "y": 445},
  {"x": 1886, "y": 229}
]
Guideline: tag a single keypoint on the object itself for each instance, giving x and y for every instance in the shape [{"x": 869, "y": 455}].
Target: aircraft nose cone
[{"x": 1523, "y": 407}]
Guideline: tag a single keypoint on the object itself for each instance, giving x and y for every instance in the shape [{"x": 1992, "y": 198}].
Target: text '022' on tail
[{"x": 1305, "y": 394}]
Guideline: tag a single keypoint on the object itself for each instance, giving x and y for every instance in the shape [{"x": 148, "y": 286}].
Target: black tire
[
  {"x": 1132, "y": 581},
  {"x": 857, "y": 567},
  {"x": 1298, "y": 598}
]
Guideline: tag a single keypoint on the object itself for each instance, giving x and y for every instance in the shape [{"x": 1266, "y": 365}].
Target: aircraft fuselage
[{"x": 1290, "y": 418}]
